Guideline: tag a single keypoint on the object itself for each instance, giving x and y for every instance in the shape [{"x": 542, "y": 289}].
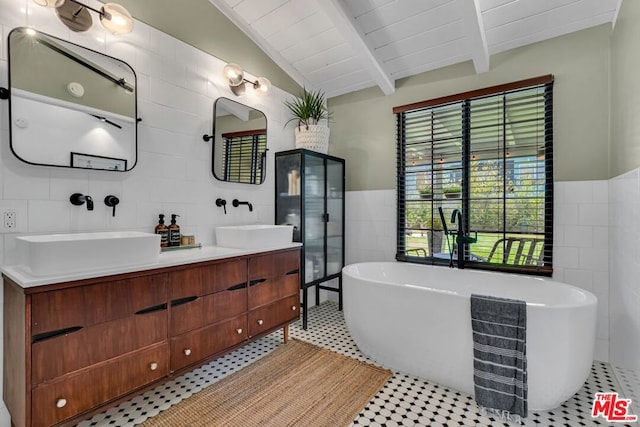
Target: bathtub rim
[{"x": 590, "y": 297}]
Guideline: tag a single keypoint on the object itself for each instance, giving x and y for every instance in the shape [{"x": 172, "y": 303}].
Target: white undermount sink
[
  {"x": 253, "y": 236},
  {"x": 52, "y": 254}
]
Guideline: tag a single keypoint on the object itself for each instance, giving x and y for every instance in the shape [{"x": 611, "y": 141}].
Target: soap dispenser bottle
[
  {"x": 163, "y": 231},
  {"x": 174, "y": 232}
]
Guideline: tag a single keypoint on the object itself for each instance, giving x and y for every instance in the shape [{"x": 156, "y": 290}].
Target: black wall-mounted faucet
[
  {"x": 222, "y": 203},
  {"x": 79, "y": 199},
  {"x": 237, "y": 203},
  {"x": 112, "y": 201}
]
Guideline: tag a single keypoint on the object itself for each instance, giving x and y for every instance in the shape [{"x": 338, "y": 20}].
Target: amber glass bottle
[
  {"x": 174, "y": 232},
  {"x": 163, "y": 231}
]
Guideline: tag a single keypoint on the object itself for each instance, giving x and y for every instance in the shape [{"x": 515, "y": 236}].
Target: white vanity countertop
[{"x": 22, "y": 275}]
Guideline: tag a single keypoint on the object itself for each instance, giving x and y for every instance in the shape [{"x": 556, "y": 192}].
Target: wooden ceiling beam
[
  {"x": 346, "y": 25},
  {"x": 472, "y": 15}
]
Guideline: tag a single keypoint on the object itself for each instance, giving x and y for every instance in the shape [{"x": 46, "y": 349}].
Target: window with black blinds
[
  {"x": 243, "y": 156},
  {"x": 487, "y": 153}
]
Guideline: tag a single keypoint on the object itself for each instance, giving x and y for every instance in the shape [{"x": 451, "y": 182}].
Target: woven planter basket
[{"x": 315, "y": 138}]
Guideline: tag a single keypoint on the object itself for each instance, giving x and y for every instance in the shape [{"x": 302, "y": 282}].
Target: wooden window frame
[{"x": 546, "y": 81}]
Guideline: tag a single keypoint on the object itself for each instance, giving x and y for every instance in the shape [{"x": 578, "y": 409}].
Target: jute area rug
[{"x": 298, "y": 384}]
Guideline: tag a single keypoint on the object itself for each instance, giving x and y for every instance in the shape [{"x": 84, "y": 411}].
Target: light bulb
[
  {"x": 262, "y": 86},
  {"x": 233, "y": 73},
  {"x": 116, "y": 19}
]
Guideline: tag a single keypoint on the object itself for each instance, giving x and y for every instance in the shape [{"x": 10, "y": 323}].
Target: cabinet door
[
  {"x": 270, "y": 316},
  {"x": 289, "y": 192},
  {"x": 56, "y": 311},
  {"x": 335, "y": 216},
  {"x": 66, "y": 353},
  {"x": 314, "y": 217},
  {"x": 192, "y": 347},
  {"x": 76, "y": 393}
]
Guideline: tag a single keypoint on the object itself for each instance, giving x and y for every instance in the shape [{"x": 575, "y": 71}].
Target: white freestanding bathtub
[{"x": 416, "y": 319}]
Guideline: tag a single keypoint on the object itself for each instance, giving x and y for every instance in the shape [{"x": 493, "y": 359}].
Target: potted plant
[
  {"x": 425, "y": 191},
  {"x": 308, "y": 110},
  {"x": 452, "y": 191}
]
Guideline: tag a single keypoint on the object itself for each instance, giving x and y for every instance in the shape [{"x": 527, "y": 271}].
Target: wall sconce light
[
  {"x": 75, "y": 15},
  {"x": 235, "y": 76}
]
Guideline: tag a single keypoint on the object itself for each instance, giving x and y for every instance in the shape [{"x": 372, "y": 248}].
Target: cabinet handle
[
  {"x": 61, "y": 403},
  {"x": 151, "y": 309},
  {"x": 294, "y": 308},
  {"x": 256, "y": 282},
  {"x": 53, "y": 334},
  {"x": 239, "y": 331},
  {"x": 153, "y": 366},
  {"x": 260, "y": 322},
  {"x": 187, "y": 352},
  {"x": 186, "y": 300},
  {"x": 238, "y": 286}
]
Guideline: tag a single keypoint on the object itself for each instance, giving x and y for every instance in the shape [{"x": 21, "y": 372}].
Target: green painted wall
[
  {"x": 625, "y": 90},
  {"x": 363, "y": 130},
  {"x": 200, "y": 24}
]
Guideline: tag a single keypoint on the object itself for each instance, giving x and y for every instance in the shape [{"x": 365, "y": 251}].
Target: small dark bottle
[
  {"x": 174, "y": 232},
  {"x": 163, "y": 231}
]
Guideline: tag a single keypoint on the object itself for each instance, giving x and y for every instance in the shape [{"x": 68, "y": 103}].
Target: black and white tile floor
[{"x": 404, "y": 401}]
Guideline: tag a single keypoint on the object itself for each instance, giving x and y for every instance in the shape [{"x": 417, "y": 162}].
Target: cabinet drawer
[
  {"x": 89, "y": 305},
  {"x": 76, "y": 393},
  {"x": 267, "y": 317},
  {"x": 220, "y": 277},
  {"x": 267, "y": 291},
  {"x": 66, "y": 353},
  {"x": 195, "y": 346},
  {"x": 189, "y": 314},
  {"x": 185, "y": 283},
  {"x": 186, "y": 315},
  {"x": 224, "y": 305},
  {"x": 274, "y": 265}
]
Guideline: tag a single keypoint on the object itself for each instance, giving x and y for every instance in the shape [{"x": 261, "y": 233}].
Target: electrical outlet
[
  {"x": 13, "y": 214},
  {"x": 10, "y": 221}
]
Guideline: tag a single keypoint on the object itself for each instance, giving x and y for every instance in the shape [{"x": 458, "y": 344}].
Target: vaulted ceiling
[{"x": 341, "y": 46}]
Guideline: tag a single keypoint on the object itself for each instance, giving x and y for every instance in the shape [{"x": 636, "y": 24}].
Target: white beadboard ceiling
[{"x": 340, "y": 46}]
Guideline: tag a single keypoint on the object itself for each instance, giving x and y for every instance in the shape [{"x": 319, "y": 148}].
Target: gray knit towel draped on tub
[{"x": 499, "y": 356}]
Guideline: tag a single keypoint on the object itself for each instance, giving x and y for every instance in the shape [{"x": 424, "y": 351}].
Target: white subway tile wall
[
  {"x": 624, "y": 256},
  {"x": 581, "y": 246},
  {"x": 370, "y": 226},
  {"x": 177, "y": 86}
]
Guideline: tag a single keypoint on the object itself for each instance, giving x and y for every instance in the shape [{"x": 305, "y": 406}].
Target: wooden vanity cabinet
[{"x": 73, "y": 348}]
